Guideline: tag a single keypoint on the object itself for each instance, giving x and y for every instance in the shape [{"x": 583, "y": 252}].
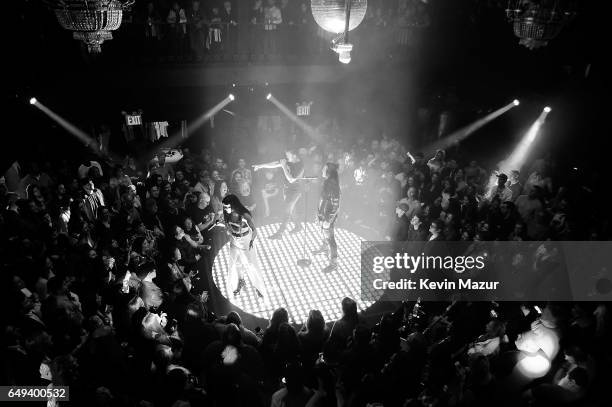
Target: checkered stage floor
[{"x": 298, "y": 290}]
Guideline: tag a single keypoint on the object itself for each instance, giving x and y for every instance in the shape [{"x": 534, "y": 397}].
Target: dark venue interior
[{"x": 190, "y": 185}]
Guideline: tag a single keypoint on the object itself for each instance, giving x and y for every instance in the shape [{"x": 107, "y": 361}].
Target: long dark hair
[
  {"x": 217, "y": 190},
  {"x": 331, "y": 183},
  {"x": 279, "y": 316},
  {"x": 216, "y": 198},
  {"x": 236, "y": 205},
  {"x": 315, "y": 323},
  {"x": 349, "y": 310}
]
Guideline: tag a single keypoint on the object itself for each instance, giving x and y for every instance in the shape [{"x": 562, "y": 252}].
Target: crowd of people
[
  {"x": 106, "y": 268},
  {"x": 194, "y": 29}
]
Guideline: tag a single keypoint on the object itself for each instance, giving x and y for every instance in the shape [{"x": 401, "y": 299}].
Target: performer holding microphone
[
  {"x": 327, "y": 214},
  {"x": 242, "y": 233},
  {"x": 293, "y": 169}
]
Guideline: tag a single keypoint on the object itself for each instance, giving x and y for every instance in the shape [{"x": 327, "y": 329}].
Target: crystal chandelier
[
  {"x": 339, "y": 17},
  {"x": 535, "y": 22},
  {"x": 91, "y": 21}
]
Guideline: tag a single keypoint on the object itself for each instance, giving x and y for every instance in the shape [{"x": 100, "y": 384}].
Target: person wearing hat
[{"x": 501, "y": 190}]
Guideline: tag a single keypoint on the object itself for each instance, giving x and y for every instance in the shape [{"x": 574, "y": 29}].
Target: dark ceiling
[{"x": 469, "y": 50}]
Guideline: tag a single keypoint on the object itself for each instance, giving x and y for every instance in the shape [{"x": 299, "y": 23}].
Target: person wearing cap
[{"x": 501, "y": 190}]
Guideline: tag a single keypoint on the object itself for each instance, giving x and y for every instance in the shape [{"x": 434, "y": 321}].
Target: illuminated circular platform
[{"x": 297, "y": 289}]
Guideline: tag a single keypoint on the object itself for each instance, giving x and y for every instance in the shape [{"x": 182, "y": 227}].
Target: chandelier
[
  {"x": 535, "y": 22},
  {"x": 339, "y": 17},
  {"x": 91, "y": 21}
]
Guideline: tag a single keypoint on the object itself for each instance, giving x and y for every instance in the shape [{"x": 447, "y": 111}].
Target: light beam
[
  {"x": 310, "y": 131},
  {"x": 518, "y": 157},
  {"x": 177, "y": 138},
  {"x": 463, "y": 133},
  {"x": 85, "y": 138}
]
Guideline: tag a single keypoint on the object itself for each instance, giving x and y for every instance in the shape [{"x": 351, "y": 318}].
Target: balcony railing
[{"x": 159, "y": 42}]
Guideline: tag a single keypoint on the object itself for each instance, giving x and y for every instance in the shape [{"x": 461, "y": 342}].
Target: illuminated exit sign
[
  {"x": 303, "y": 109},
  {"x": 133, "y": 120}
]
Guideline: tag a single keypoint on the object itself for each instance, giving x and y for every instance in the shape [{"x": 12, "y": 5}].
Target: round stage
[{"x": 297, "y": 289}]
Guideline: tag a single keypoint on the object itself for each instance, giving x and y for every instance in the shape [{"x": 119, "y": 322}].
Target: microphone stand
[{"x": 305, "y": 261}]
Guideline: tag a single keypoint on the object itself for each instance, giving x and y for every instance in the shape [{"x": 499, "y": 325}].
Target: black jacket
[
  {"x": 417, "y": 235},
  {"x": 329, "y": 204},
  {"x": 401, "y": 229}
]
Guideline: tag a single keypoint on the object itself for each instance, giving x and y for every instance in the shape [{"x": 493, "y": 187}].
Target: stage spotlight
[
  {"x": 516, "y": 102},
  {"x": 33, "y": 101},
  {"x": 269, "y": 96},
  {"x": 231, "y": 97},
  {"x": 547, "y": 109}
]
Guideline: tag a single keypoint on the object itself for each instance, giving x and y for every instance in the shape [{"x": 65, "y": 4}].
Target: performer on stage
[
  {"x": 293, "y": 169},
  {"x": 242, "y": 233},
  {"x": 327, "y": 214}
]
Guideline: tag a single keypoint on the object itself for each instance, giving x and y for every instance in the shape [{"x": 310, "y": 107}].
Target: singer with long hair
[
  {"x": 327, "y": 214},
  {"x": 242, "y": 234},
  {"x": 293, "y": 169}
]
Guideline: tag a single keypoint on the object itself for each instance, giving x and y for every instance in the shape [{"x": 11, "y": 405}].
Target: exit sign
[
  {"x": 133, "y": 120},
  {"x": 303, "y": 109}
]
